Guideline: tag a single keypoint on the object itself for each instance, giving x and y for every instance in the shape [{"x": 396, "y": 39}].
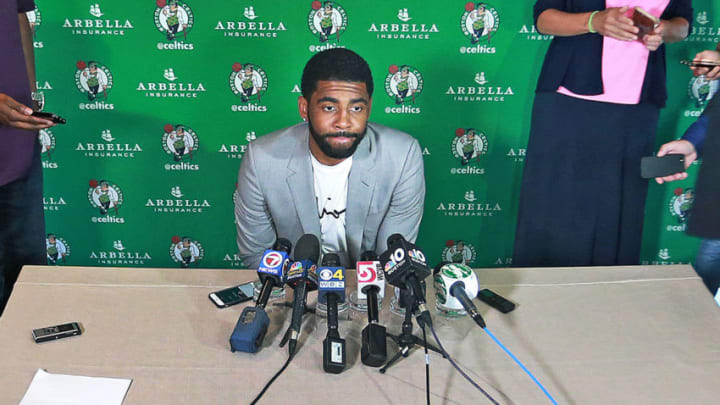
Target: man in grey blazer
[{"x": 349, "y": 182}]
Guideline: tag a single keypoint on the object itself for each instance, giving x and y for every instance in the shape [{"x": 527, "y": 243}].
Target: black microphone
[
  {"x": 253, "y": 323},
  {"x": 331, "y": 291},
  {"x": 405, "y": 265},
  {"x": 371, "y": 287},
  {"x": 455, "y": 283},
  {"x": 302, "y": 277}
]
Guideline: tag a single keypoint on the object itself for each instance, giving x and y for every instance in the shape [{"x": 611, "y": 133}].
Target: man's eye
[
  {"x": 328, "y": 108},
  {"x": 357, "y": 108}
]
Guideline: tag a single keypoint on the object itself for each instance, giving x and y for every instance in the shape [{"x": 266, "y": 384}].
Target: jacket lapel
[
  {"x": 361, "y": 185},
  {"x": 302, "y": 191}
]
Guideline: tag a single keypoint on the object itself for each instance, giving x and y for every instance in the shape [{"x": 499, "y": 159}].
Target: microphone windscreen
[
  {"x": 439, "y": 266},
  {"x": 283, "y": 245},
  {"x": 448, "y": 275},
  {"x": 307, "y": 248},
  {"x": 394, "y": 238},
  {"x": 331, "y": 260},
  {"x": 368, "y": 256}
]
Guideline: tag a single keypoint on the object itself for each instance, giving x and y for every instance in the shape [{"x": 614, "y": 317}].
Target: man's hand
[
  {"x": 654, "y": 39},
  {"x": 682, "y": 146},
  {"x": 707, "y": 56},
  {"x": 613, "y": 22},
  {"x": 17, "y": 115}
]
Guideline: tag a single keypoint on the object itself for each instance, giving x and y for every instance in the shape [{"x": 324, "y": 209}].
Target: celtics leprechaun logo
[
  {"x": 174, "y": 18},
  {"x": 186, "y": 251},
  {"x": 34, "y": 19},
  {"x": 56, "y": 249},
  {"x": 248, "y": 81},
  {"x": 47, "y": 143},
  {"x": 479, "y": 22},
  {"x": 468, "y": 145},
  {"x": 701, "y": 90},
  {"x": 105, "y": 196},
  {"x": 457, "y": 251},
  {"x": 403, "y": 83},
  {"x": 681, "y": 202},
  {"x": 94, "y": 79},
  {"x": 180, "y": 141},
  {"x": 327, "y": 20}
]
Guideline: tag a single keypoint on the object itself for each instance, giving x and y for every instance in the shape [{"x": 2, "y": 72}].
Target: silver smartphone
[{"x": 233, "y": 295}]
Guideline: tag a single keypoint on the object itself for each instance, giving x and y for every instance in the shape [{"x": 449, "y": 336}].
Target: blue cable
[{"x": 521, "y": 365}]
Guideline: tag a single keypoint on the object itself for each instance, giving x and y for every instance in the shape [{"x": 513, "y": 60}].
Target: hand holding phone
[
  {"x": 49, "y": 116},
  {"x": 705, "y": 63},
  {"x": 644, "y": 21},
  {"x": 683, "y": 147},
  {"x": 661, "y": 166}
]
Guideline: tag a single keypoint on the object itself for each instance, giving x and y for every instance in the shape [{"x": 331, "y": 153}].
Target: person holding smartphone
[
  {"x": 595, "y": 115},
  {"x": 22, "y": 226},
  {"x": 702, "y": 139}
]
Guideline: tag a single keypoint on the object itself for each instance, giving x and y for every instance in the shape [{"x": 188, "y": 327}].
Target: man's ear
[{"x": 303, "y": 107}]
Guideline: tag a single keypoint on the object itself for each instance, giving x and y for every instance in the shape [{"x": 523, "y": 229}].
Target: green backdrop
[{"x": 124, "y": 184}]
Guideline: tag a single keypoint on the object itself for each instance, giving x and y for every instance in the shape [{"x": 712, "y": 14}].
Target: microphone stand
[
  {"x": 286, "y": 336},
  {"x": 406, "y": 340}
]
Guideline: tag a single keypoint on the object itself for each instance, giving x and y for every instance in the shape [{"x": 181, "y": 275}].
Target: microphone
[
  {"x": 253, "y": 322},
  {"x": 331, "y": 291},
  {"x": 371, "y": 287},
  {"x": 455, "y": 283},
  {"x": 405, "y": 265},
  {"x": 302, "y": 277}
]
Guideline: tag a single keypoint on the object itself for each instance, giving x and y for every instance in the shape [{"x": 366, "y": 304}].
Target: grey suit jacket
[{"x": 276, "y": 197}]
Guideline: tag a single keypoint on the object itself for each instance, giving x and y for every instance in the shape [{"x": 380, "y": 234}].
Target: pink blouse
[{"x": 623, "y": 63}]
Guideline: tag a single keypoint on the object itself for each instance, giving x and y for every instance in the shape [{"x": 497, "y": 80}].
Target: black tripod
[
  {"x": 406, "y": 340},
  {"x": 286, "y": 336}
]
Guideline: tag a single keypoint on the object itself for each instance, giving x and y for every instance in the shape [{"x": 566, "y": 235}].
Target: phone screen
[{"x": 234, "y": 295}]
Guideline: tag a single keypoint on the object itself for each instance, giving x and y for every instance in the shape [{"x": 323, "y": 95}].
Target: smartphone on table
[{"x": 233, "y": 295}]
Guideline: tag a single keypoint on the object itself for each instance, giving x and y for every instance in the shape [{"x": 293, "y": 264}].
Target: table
[{"x": 629, "y": 335}]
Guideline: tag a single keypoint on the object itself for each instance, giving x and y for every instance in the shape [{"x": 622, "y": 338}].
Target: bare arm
[
  {"x": 13, "y": 113},
  {"x": 27, "y": 44},
  {"x": 562, "y": 24},
  {"x": 675, "y": 29},
  {"x": 610, "y": 22}
]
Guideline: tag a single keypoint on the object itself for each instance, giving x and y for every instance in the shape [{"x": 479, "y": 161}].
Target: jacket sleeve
[
  {"x": 255, "y": 231},
  {"x": 407, "y": 201}
]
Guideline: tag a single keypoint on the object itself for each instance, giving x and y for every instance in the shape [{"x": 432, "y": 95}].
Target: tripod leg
[
  {"x": 434, "y": 349},
  {"x": 396, "y": 357},
  {"x": 395, "y": 339},
  {"x": 285, "y": 337},
  {"x": 289, "y": 305}
]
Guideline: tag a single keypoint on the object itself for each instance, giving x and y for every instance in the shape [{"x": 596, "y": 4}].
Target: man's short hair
[{"x": 336, "y": 64}]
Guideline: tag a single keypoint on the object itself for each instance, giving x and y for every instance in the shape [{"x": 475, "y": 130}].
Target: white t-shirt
[{"x": 331, "y": 188}]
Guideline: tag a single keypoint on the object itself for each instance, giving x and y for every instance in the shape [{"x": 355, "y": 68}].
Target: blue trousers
[
  {"x": 582, "y": 199},
  {"x": 707, "y": 264},
  {"x": 22, "y": 227}
]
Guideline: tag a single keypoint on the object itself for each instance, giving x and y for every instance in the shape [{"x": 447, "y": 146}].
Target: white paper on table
[{"x": 61, "y": 389}]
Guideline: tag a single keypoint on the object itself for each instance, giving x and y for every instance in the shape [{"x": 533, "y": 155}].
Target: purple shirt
[{"x": 16, "y": 145}]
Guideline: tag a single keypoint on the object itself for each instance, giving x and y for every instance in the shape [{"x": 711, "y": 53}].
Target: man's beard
[{"x": 328, "y": 149}]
